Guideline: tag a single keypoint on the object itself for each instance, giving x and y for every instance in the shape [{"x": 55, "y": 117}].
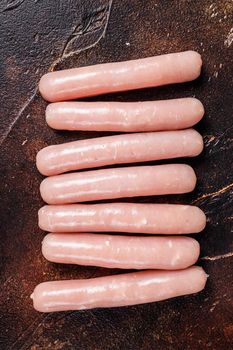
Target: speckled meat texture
[{"x": 37, "y": 36}]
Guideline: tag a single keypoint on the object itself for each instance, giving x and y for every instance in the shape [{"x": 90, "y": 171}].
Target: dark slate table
[{"x": 37, "y": 36}]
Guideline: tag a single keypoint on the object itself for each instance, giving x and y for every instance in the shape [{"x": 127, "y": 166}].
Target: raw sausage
[
  {"x": 125, "y": 252},
  {"x": 119, "y": 76},
  {"x": 118, "y": 149},
  {"x": 119, "y": 290},
  {"x": 118, "y": 183},
  {"x": 122, "y": 217},
  {"x": 125, "y": 116}
]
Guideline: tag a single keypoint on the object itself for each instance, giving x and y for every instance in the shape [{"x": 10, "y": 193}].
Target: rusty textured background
[{"x": 39, "y": 35}]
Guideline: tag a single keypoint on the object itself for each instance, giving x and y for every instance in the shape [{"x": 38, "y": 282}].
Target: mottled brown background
[{"x": 36, "y": 36}]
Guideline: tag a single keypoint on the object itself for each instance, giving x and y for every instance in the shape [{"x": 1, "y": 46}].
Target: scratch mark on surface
[
  {"x": 24, "y": 142},
  {"x": 229, "y": 38},
  {"x": 4, "y": 136},
  {"x": 214, "y": 305},
  {"x": 213, "y": 194},
  {"x": 9, "y": 279},
  {"x": 27, "y": 333},
  {"x": 217, "y": 257},
  {"x": 70, "y": 54},
  {"x": 65, "y": 316},
  {"x": 23, "y": 334},
  {"x": 208, "y": 140},
  {"x": 218, "y": 143},
  {"x": 226, "y": 131},
  {"x": 15, "y": 4},
  {"x": 92, "y": 23}
]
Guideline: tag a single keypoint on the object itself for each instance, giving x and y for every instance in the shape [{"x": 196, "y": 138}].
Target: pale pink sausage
[
  {"x": 165, "y": 253},
  {"x": 118, "y": 183},
  {"x": 118, "y": 149},
  {"x": 111, "y": 77},
  {"x": 119, "y": 290},
  {"x": 122, "y": 217},
  {"x": 125, "y": 116}
]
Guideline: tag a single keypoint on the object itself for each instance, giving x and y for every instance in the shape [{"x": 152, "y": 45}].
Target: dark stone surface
[{"x": 36, "y": 36}]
